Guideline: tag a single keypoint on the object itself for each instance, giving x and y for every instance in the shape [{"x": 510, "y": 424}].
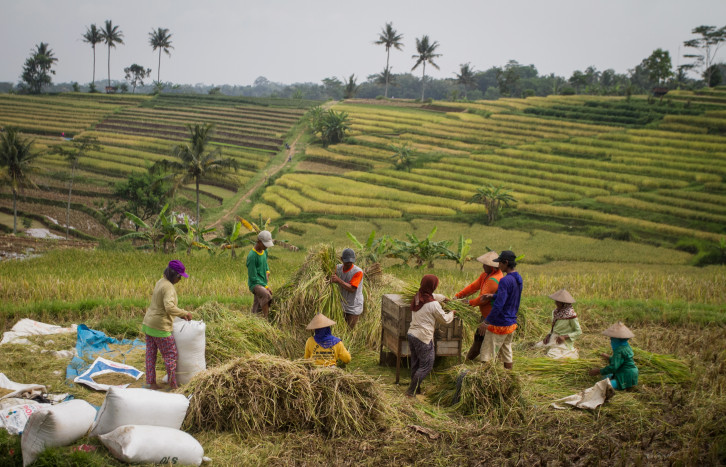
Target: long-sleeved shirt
[
  {"x": 484, "y": 284},
  {"x": 423, "y": 321},
  {"x": 568, "y": 328},
  {"x": 622, "y": 367},
  {"x": 326, "y": 357},
  {"x": 257, "y": 269},
  {"x": 506, "y": 304},
  {"x": 163, "y": 308}
]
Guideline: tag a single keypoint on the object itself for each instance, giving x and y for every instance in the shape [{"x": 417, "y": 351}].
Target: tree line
[{"x": 510, "y": 80}]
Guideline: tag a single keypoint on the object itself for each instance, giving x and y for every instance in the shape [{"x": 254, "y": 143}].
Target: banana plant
[
  {"x": 461, "y": 256},
  {"x": 423, "y": 252},
  {"x": 232, "y": 241},
  {"x": 254, "y": 229},
  {"x": 374, "y": 248},
  {"x": 152, "y": 234},
  {"x": 186, "y": 234}
]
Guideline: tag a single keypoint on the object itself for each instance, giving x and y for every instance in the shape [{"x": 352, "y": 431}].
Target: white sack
[
  {"x": 15, "y": 418},
  {"x": 57, "y": 425},
  {"x": 19, "y": 389},
  {"x": 136, "y": 406},
  {"x": 144, "y": 444},
  {"x": 27, "y": 327},
  {"x": 590, "y": 398},
  {"x": 190, "y": 343}
]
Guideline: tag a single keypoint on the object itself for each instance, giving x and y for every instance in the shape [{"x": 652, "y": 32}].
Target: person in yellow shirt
[
  {"x": 323, "y": 347},
  {"x": 158, "y": 324}
]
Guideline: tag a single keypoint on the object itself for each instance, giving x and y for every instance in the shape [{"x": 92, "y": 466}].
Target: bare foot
[{"x": 154, "y": 386}]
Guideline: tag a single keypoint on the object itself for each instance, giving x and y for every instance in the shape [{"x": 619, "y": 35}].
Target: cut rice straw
[{"x": 262, "y": 392}]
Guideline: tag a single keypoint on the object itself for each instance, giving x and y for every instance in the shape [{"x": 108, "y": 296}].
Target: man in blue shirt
[{"x": 502, "y": 320}]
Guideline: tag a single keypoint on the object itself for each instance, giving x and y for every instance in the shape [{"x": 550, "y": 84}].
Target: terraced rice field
[
  {"x": 137, "y": 131},
  {"x": 655, "y": 168}
]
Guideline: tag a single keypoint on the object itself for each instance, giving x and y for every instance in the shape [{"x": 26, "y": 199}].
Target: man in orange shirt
[{"x": 486, "y": 283}]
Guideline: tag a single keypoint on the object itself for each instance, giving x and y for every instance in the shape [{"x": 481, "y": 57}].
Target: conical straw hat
[
  {"x": 488, "y": 259},
  {"x": 320, "y": 321},
  {"x": 563, "y": 296},
  {"x": 619, "y": 330}
]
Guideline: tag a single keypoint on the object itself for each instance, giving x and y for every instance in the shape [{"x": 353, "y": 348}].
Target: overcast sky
[{"x": 289, "y": 41}]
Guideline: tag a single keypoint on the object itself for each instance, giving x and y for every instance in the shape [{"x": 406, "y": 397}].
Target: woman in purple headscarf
[
  {"x": 426, "y": 313},
  {"x": 158, "y": 324}
]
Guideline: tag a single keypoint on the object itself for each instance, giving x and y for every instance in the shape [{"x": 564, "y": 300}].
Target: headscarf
[
  {"x": 616, "y": 342},
  {"x": 425, "y": 293},
  {"x": 564, "y": 312},
  {"x": 325, "y": 338}
]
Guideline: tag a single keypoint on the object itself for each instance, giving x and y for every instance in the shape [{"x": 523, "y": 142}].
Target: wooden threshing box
[{"x": 395, "y": 319}]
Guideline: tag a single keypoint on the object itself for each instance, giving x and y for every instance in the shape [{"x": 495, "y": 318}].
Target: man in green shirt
[{"x": 258, "y": 274}]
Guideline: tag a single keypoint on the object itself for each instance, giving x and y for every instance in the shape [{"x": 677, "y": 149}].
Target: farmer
[
  {"x": 258, "y": 274},
  {"x": 486, "y": 284},
  {"x": 157, "y": 324},
  {"x": 621, "y": 370},
  {"x": 502, "y": 319},
  {"x": 323, "y": 347},
  {"x": 349, "y": 278},
  {"x": 565, "y": 328},
  {"x": 426, "y": 312}
]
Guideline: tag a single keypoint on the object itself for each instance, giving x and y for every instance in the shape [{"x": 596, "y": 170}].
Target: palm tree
[
  {"x": 492, "y": 198},
  {"x": 79, "y": 147},
  {"x": 196, "y": 163},
  {"x": 465, "y": 77},
  {"x": 16, "y": 161},
  {"x": 160, "y": 39},
  {"x": 390, "y": 38},
  {"x": 425, "y": 54},
  {"x": 111, "y": 36},
  {"x": 351, "y": 87},
  {"x": 93, "y": 36}
]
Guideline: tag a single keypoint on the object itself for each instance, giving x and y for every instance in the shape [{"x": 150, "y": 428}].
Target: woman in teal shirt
[{"x": 621, "y": 369}]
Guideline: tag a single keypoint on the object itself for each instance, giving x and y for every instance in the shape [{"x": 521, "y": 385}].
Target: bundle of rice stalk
[
  {"x": 480, "y": 390},
  {"x": 652, "y": 368},
  {"x": 251, "y": 394},
  {"x": 468, "y": 315},
  {"x": 347, "y": 403},
  {"x": 310, "y": 291},
  {"x": 231, "y": 334},
  {"x": 262, "y": 392}
]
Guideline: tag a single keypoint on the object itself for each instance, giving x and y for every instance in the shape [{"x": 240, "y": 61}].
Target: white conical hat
[
  {"x": 320, "y": 321},
  {"x": 488, "y": 259},
  {"x": 619, "y": 330},
  {"x": 563, "y": 296}
]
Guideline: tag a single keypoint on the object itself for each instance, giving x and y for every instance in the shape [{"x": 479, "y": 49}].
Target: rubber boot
[{"x": 509, "y": 366}]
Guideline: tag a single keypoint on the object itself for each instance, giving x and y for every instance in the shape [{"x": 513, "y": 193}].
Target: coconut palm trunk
[
  {"x": 70, "y": 191},
  {"x": 158, "y": 69},
  {"x": 109, "y": 66},
  {"x": 388, "y": 55},
  {"x": 94, "y": 65},
  {"x": 198, "y": 219},
  {"x": 15, "y": 212},
  {"x": 423, "y": 81}
]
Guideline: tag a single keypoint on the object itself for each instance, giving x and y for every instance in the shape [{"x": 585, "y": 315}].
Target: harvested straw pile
[
  {"x": 262, "y": 392},
  {"x": 652, "y": 368},
  {"x": 231, "y": 334},
  {"x": 480, "y": 390}
]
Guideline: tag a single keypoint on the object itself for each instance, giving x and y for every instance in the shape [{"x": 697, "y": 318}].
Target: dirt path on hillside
[{"x": 293, "y": 146}]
